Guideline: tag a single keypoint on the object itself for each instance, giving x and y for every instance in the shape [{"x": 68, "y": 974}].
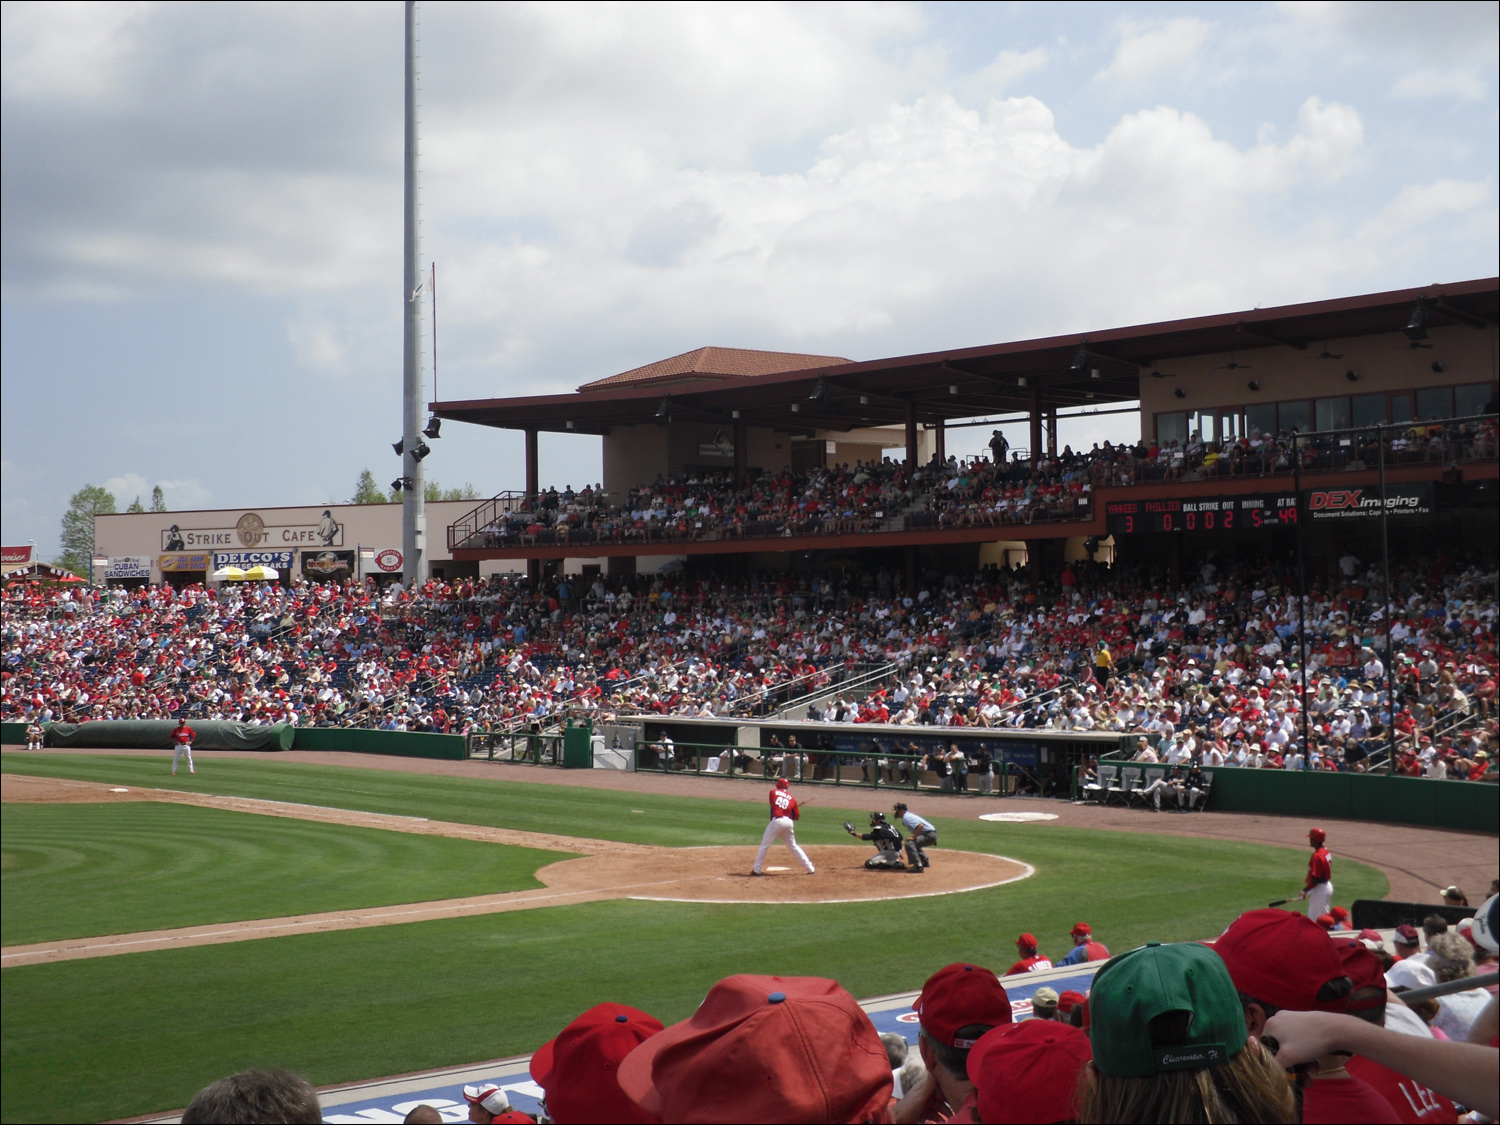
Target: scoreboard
[{"x": 1202, "y": 513}]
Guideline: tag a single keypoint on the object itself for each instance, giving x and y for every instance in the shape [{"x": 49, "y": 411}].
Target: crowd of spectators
[
  {"x": 1206, "y": 671},
  {"x": 1279, "y": 1019},
  {"x": 946, "y": 493}
]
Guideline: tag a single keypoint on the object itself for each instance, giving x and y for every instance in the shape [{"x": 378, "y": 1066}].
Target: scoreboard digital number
[{"x": 1206, "y": 513}]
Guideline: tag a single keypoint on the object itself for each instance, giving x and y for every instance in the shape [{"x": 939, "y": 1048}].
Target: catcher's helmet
[{"x": 877, "y": 818}]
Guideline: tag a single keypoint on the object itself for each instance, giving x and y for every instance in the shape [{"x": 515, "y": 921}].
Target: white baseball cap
[
  {"x": 489, "y": 1096},
  {"x": 1483, "y": 929}
]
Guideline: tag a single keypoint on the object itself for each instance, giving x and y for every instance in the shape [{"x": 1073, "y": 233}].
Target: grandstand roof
[
  {"x": 961, "y": 382},
  {"x": 714, "y": 363}
]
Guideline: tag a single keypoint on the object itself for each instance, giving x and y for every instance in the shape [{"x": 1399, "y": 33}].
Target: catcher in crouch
[{"x": 887, "y": 843}]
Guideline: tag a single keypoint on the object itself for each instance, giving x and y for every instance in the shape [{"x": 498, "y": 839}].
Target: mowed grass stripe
[
  {"x": 88, "y": 870},
  {"x": 595, "y": 813},
  {"x": 152, "y": 1028}
]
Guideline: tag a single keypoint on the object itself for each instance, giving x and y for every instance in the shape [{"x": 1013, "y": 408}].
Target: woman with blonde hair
[{"x": 1169, "y": 1045}]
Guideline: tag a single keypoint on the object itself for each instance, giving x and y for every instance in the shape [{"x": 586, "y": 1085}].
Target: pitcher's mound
[{"x": 723, "y": 875}]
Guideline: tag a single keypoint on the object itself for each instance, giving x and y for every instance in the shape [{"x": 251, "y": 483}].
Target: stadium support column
[
  {"x": 1052, "y": 431},
  {"x": 741, "y": 452},
  {"x": 533, "y": 487},
  {"x": 911, "y": 435},
  {"x": 941, "y": 433},
  {"x": 1036, "y": 424},
  {"x": 414, "y": 496}
]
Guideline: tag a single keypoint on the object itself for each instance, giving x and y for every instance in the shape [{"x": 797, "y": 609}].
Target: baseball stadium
[{"x": 800, "y": 769}]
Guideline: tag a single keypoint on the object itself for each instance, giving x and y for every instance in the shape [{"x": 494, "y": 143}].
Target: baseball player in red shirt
[
  {"x": 1319, "y": 888},
  {"x": 784, "y": 814},
  {"x": 183, "y": 737}
]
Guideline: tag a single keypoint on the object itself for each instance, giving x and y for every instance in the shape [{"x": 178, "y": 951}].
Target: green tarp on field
[{"x": 154, "y": 734}]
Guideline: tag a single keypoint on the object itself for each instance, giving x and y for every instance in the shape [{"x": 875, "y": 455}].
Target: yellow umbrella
[
  {"x": 262, "y": 574},
  {"x": 227, "y": 574}
]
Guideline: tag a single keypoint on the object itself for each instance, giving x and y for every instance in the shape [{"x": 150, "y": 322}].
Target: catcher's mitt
[{"x": 849, "y": 828}]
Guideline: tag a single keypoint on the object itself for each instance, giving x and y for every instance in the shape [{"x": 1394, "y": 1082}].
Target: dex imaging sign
[
  {"x": 251, "y": 532},
  {"x": 1359, "y": 503}
]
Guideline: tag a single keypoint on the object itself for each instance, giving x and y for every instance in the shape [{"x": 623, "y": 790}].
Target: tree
[
  {"x": 435, "y": 491},
  {"x": 366, "y": 491},
  {"x": 136, "y": 506},
  {"x": 78, "y": 527},
  {"x": 158, "y": 500}
]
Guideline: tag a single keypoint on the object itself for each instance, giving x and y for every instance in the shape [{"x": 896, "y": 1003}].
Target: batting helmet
[
  {"x": 781, "y": 783},
  {"x": 1316, "y": 836}
]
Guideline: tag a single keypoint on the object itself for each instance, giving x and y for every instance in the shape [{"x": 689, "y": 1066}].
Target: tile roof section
[{"x": 711, "y": 363}]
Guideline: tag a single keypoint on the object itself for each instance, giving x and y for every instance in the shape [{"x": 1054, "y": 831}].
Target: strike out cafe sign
[{"x": 251, "y": 533}]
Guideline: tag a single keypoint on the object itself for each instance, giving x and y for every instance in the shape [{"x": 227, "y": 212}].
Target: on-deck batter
[
  {"x": 1319, "y": 887},
  {"x": 784, "y": 814}
]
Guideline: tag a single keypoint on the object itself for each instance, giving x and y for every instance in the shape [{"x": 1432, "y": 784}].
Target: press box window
[
  {"x": 1369, "y": 410},
  {"x": 1260, "y": 419},
  {"x": 1333, "y": 413},
  {"x": 1472, "y": 399},
  {"x": 1434, "y": 402},
  {"x": 1171, "y": 427}
]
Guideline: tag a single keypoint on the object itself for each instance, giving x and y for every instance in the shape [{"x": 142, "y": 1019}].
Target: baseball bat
[{"x": 1278, "y": 902}]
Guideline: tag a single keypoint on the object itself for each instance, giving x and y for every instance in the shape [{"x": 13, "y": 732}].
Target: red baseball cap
[
  {"x": 1317, "y": 835},
  {"x": 1282, "y": 959},
  {"x": 1027, "y": 941},
  {"x": 764, "y": 1048},
  {"x": 1029, "y": 1071},
  {"x": 1082, "y": 928},
  {"x": 1340, "y": 914},
  {"x": 959, "y": 998},
  {"x": 1327, "y": 921},
  {"x": 1068, "y": 1000},
  {"x": 578, "y": 1069},
  {"x": 1366, "y": 971}
]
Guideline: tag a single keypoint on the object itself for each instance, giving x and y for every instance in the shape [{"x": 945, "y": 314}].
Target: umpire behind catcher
[
  {"x": 923, "y": 835},
  {"x": 887, "y": 843}
]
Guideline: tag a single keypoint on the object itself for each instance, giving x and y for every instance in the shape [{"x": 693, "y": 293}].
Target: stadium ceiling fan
[
  {"x": 1326, "y": 354},
  {"x": 1158, "y": 373},
  {"x": 1233, "y": 365}
]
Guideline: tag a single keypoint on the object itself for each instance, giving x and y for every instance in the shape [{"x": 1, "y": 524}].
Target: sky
[{"x": 200, "y": 206}]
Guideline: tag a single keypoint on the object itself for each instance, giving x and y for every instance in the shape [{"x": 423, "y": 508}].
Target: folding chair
[{"x": 1094, "y": 790}]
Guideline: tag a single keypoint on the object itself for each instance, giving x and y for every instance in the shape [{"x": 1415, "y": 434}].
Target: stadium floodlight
[
  {"x": 819, "y": 393},
  {"x": 1416, "y": 324},
  {"x": 399, "y": 446},
  {"x": 433, "y": 428},
  {"x": 664, "y": 410},
  {"x": 398, "y": 484},
  {"x": 1080, "y": 362},
  {"x": 422, "y": 450}
]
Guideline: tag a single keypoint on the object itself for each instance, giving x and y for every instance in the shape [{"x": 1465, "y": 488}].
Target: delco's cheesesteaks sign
[{"x": 250, "y": 531}]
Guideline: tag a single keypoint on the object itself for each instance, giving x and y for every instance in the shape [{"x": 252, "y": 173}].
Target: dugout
[{"x": 1035, "y": 762}]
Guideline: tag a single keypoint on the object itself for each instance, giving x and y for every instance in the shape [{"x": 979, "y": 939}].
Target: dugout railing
[{"x": 842, "y": 769}]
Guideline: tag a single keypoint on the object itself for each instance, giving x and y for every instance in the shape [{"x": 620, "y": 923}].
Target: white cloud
[
  {"x": 66, "y": 50},
  {"x": 179, "y": 494},
  {"x": 1150, "y": 52},
  {"x": 1007, "y": 69},
  {"x": 1432, "y": 82}
]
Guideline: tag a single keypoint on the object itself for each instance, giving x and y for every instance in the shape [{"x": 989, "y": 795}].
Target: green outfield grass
[
  {"x": 153, "y": 1027},
  {"x": 84, "y": 870}
]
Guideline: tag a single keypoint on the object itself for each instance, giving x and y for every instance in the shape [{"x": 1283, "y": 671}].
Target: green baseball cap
[{"x": 1134, "y": 988}]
